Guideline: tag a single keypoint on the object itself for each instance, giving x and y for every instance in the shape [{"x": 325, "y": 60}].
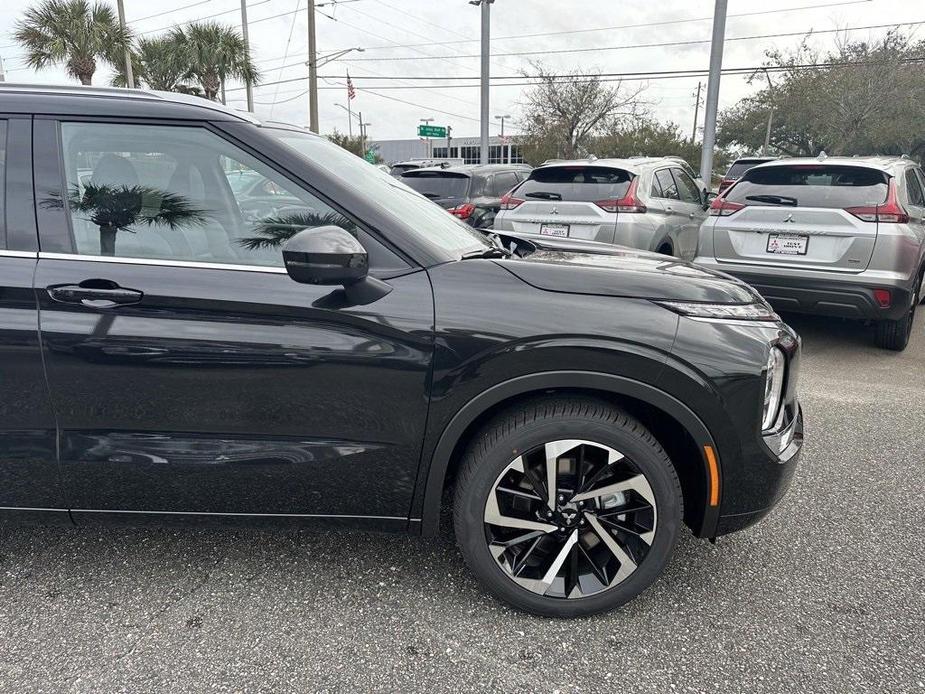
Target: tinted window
[
  {"x": 740, "y": 167},
  {"x": 916, "y": 197},
  {"x": 501, "y": 183},
  {"x": 437, "y": 184},
  {"x": 667, "y": 185},
  {"x": 811, "y": 185},
  {"x": 686, "y": 187},
  {"x": 2, "y": 183},
  {"x": 180, "y": 193},
  {"x": 433, "y": 224},
  {"x": 582, "y": 183}
]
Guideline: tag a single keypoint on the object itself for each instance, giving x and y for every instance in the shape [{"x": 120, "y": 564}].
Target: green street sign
[
  {"x": 370, "y": 156},
  {"x": 431, "y": 131}
]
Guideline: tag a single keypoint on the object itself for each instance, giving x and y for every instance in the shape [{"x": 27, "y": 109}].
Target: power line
[
  {"x": 663, "y": 44},
  {"x": 175, "y": 9}
]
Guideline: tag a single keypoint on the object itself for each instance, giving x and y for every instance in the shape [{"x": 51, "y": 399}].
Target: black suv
[
  {"x": 471, "y": 193},
  {"x": 347, "y": 358}
]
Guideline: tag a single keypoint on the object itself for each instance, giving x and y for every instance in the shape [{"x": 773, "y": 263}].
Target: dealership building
[{"x": 467, "y": 148}]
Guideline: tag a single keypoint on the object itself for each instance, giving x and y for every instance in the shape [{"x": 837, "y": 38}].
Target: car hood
[{"x": 606, "y": 270}]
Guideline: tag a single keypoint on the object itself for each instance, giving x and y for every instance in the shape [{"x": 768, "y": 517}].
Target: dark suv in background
[
  {"x": 168, "y": 353},
  {"x": 738, "y": 168},
  {"x": 472, "y": 193}
]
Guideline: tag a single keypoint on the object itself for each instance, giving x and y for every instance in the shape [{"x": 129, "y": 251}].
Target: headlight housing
[
  {"x": 773, "y": 388},
  {"x": 735, "y": 312}
]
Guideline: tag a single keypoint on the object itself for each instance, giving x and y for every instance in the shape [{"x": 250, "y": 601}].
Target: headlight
[
  {"x": 773, "y": 388},
  {"x": 759, "y": 312}
]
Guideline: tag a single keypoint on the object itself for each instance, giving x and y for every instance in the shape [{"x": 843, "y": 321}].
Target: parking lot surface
[{"x": 826, "y": 595}]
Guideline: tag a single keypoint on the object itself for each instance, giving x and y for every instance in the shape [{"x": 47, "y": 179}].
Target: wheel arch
[{"x": 680, "y": 431}]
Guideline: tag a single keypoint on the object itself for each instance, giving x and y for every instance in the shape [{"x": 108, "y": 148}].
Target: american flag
[{"x": 351, "y": 92}]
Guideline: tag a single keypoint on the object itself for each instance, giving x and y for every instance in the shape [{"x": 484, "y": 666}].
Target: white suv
[{"x": 836, "y": 236}]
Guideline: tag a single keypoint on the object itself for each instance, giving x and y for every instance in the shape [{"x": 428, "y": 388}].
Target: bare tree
[{"x": 562, "y": 113}]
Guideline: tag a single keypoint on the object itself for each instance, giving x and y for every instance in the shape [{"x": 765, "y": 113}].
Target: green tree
[
  {"x": 213, "y": 53},
  {"x": 860, "y": 98},
  {"x": 157, "y": 63},
  {"x": 352, "y": 144},
  {"x": 72, "y": 32}
]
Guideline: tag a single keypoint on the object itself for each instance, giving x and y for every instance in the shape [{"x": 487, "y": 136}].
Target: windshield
[
  {"x": 580, "y": 183},
  {"x": 421, "y": 216},
  {"x": 437, "y": 184},
  {"x": 811, "y": 185}
]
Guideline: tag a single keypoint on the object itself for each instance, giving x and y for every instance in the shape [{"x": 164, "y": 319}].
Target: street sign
[
  {"x": 370, "y": 156},
  {"x": 431, "y": 131}
]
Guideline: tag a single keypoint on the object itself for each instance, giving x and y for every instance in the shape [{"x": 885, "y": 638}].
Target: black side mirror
[
  {"x": 708, "y": 197},
  {"x": 330, "y": 255},
  {"x": 325, "y": 255}
]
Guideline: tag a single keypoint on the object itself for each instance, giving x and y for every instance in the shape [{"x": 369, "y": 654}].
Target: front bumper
[
  {"x": 771, "y": 475},
  {"x": 848, "y": 296}
]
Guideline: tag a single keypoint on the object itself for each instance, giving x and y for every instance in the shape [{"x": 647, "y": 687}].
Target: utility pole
[
  {"x": 429, "y": 149},
  {"x": 129, "y": 77},
  {"x": 449, "y": 136},
  {"x": 716, "y": 66},
  {"x": 313, "y": 71},
  {"x": 486, "y": 73},
  {"x": 2, "y": 76},
  {"x": 247, "y": 50},
  {"x": 503, "y": 144},
  {"x": 767, "y": 132},
  {"x": 696, "y": 113}
]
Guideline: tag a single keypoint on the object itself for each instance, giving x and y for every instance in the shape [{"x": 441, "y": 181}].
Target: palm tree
[
  {"x": 273, "y": 232},
  {"x": 72, "y": 32},
  {"x": 156, "y": 62},
  {"x": 213, "y": 53}
]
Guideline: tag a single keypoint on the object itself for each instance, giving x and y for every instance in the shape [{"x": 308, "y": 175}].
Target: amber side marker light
[{"x": 714, "y": 475}]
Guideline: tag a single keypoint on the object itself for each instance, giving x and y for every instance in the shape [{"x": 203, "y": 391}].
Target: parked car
[
  {"x": 739, "y": 167},
  {"x": 166, "y": 359},
  {"x": 835, "y": 236},
  {"x": 400, "y": 167},
  {"x": 471, "y": 193},
  {"x": 646, "y": 203}
]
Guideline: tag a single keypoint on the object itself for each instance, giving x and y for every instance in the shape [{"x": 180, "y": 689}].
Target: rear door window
[
  {"x": 577, "y": 183},
  {"x": 501, "y": 183},
  {"x": 438, "y": 184},
  {"x": 914, "y": 189},
  {"x": 666, "y": 184},
  {"x": 811, "y": 185}
]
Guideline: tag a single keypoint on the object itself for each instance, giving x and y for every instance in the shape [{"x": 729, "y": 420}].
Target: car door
[
  {"x": 29, "y": 473},
  {"x": 190, "y": 374},
  {"x": 691, "y": 214},
  {"x": 489, "y": 203},
  {"x": 667, "y": 210},
  {"x": 916, "y": 205}
]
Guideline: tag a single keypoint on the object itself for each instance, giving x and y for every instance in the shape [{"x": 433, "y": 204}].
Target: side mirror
[
  {"x": 326, "y": 255},
  {"x": 709, "y": 197}
]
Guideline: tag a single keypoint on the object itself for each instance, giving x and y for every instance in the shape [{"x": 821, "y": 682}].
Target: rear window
[
  {"x": 740, "y": 167},
  {"x": 580, "y": 183},
  {"x": 437, "y": 184},
  {"x": 811, "y": 185}
]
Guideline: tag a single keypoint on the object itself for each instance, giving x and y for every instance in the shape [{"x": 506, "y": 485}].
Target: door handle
[
  {"x": 690, "y": 215},
  {"x": 95, "y": 294}
]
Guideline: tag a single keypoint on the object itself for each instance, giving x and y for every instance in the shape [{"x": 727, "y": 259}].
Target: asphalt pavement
[{"x": 826, "y": 595}]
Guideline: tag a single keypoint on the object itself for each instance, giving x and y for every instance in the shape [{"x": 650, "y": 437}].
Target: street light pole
[
  {"x": 486, "y": 73},
  {"x": 129, "y": 77},
  {"x": 503, "y": 145},
  {"x": 312, "y": 70},
  {"x": 427, "y": 121},
  {"x": 247, "y": 49},
  {"x": 716, "y": 66}
]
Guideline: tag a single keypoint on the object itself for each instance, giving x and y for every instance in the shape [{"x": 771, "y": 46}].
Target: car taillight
[
  {"x": 462, "y": 211},
  {"x": 720, "y": 207},
  {"x": 509, "y": 202},
  {"x": 725, "y": 183},
  {"x": 628, "y": 203},
  {"x": 890, "y": 211}
]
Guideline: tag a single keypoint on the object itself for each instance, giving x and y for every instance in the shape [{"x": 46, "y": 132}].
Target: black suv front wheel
[{"x": 566, "y": 506}]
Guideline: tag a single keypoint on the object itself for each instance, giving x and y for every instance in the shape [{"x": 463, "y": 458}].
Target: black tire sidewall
[{"x": 471, "y": 498}]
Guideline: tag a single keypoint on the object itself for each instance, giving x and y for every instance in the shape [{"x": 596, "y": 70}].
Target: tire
[
  {"x": 595, "y": 573},
  {"x": 894, "y": 334}
]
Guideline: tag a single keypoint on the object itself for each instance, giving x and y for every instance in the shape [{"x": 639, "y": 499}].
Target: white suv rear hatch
[
  {"x": 819, "y": 216},
  {"x": 574, "y": 201}
]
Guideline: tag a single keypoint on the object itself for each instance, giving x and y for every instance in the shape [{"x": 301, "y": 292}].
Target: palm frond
[{"x": 273, "y": 232}]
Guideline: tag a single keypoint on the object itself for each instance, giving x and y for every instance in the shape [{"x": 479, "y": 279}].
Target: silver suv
[
  {"x": 647, "y": 203},
  {"x": 837, "y": 236}
]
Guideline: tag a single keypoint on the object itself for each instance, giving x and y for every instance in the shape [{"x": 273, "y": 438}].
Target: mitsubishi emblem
[
  {"x": 555, "y": 210},
  {"x": 789, "y": 218}
]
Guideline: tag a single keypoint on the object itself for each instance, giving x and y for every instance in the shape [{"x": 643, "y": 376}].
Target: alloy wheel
[{"x": 570, "y": 518}]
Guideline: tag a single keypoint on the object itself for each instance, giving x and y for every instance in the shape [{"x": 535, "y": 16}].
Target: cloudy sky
[{"x": 404, "y": 40}]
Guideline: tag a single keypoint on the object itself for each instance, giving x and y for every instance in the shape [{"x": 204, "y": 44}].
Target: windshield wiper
[
  {"x": 492, "y": 252},
  {"x": 431, "y": 196},
  {"x": 774, "y": 199},
  {"x": 543, "y": 195}
]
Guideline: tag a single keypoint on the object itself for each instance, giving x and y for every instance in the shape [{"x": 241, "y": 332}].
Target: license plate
[
  {"x": 560, "y": 230},
  {"x": 787, "y": 244}
]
